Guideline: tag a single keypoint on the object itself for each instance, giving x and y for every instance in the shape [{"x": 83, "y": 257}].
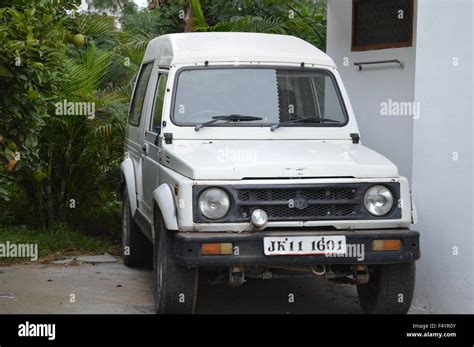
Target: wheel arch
[
  {"x": 128, "y": 182},
  {"x": 164, "y": 201}
]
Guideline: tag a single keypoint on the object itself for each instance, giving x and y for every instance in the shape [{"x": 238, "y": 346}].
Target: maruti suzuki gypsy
[{"x": 243, "y": 154}]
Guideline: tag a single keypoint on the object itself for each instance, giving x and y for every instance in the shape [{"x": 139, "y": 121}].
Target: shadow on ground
[{"x": 114, "y": 288}]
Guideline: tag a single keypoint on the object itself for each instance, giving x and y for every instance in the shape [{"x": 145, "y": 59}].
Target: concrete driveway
[{"x": 111, "y": 287}]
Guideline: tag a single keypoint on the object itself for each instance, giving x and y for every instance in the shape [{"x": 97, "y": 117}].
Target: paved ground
[{"x": 114, "y": 288}]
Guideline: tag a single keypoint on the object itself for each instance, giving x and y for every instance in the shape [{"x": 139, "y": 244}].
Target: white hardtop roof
[{"x": 191, "y": 48}]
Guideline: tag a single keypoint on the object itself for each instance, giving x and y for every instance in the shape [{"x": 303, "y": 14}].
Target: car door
[
  {"x": 134, "y": 132},
  {"x": 151, "y": 144}
]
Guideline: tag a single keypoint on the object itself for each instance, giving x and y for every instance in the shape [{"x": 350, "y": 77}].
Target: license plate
[{"x": 304, "y": 245}]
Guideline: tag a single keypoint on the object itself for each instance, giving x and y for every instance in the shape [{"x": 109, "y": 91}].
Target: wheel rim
[
  {"x": 373, "y": 284},
  {"x": 125, "y": 231},
  {"x": 159, "y": 267}
]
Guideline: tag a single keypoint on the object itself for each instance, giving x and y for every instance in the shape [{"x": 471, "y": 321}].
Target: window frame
[
  {"x": 250, "y": 124},
  {"x": 132, "y": 103},
  {"x": 161, "y": 71},
  {"x": 355, "y": 48}
]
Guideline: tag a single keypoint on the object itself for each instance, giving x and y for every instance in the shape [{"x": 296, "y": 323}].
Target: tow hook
[
  {"x": 319, "y": 270},
  {"x": 361, "y": 273},
  {"x": 236, "y": 276}
]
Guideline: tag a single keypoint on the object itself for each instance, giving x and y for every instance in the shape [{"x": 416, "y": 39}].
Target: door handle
[{"x": 145, "y": 148}]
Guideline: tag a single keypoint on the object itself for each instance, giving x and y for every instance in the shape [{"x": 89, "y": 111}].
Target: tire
[
  {"x": 389, "y": 290},
  {"x": 137, "y": 249},
  {"x": 175, "y": 286}
]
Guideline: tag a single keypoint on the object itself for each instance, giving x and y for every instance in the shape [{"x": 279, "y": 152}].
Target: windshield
[{"x": 274, "y": 95}]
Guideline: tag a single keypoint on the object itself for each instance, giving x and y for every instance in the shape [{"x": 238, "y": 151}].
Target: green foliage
[
  {"x": 86, "y": 72},
  {"x": 303, "y": 19},
  {"x": 31, "y": 56},
  {"x": 81, "y": 154},
  {"x": 309, "y": 22},
  {"x": 162, "y": 20},
  {"x": 56, "y": 150},
  {"x": 270, "y": 25},
  {"x": 96, "y": 27},
  {"x": 13, "y": 205},
  {"x": 198, "y": 14},
  {"x": 217, "y": 11},
  {"x": 116, "y": 6}
]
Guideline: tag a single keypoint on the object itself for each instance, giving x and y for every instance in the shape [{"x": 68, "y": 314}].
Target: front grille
[
  {"x": 286, "y": 194},
  {"x": 299, "y": 202}
]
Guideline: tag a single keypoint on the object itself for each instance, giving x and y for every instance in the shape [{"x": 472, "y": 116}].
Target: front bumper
[{"x": 250, "y": 245}]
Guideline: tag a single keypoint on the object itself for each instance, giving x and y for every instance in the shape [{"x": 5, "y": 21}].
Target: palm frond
[
  {"x": 271, "y": 25},
  {"x": 112, "y": 108},
  {"x": 198, "y": 14},
  {"x": 305, "y": 29},
  {"x": 110, "y": 96},
  {"x": 5, "y": 72},
  {"x": 137, "y": 41},
  {"x": 87, "y": 73},
  {"x": 96, "y": 26}
]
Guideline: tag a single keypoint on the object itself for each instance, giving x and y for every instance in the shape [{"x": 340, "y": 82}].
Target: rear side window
[{"x": 139, "y": 95}]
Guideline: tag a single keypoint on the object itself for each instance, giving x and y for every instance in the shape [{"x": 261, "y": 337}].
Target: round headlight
[
  {"x": 378, "y": 200},
  {"x": 214, "y": 203}
]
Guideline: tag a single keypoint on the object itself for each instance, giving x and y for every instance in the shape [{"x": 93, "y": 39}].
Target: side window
[
  {"x": 139, "y": 95},
  {"x": 155, "y": 125}
]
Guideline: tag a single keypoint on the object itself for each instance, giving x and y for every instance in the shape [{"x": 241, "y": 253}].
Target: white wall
[
  {"x": 443, "y": 186},
  {"x": 392, "y": 136}
]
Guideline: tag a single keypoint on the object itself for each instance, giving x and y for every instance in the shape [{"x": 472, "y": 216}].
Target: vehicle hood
[{"x": 244, "y": 159}]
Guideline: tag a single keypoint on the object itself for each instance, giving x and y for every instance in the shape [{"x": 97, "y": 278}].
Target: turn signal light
[
  {"x": 386, "y": 245},
  {"x": 216, "y": 248}
]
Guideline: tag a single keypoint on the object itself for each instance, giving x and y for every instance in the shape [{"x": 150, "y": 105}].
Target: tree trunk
[
  {"x": 188, "y": 19},
  {"x": 49, "y": 205},
  {"x": 153, "y": 4},
  {"x": 119, "y": 4}
]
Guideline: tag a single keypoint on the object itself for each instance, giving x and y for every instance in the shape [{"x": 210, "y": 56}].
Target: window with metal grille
[{"x": 378, "y": 24}]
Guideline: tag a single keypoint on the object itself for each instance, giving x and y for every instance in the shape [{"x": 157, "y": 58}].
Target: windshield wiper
[
  {"x": 303, "y": 120},
  {"x": 230, "y": 117}
]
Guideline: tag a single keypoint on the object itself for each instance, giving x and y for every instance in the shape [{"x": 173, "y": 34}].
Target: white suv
[{"x": 243, "y": 154}]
